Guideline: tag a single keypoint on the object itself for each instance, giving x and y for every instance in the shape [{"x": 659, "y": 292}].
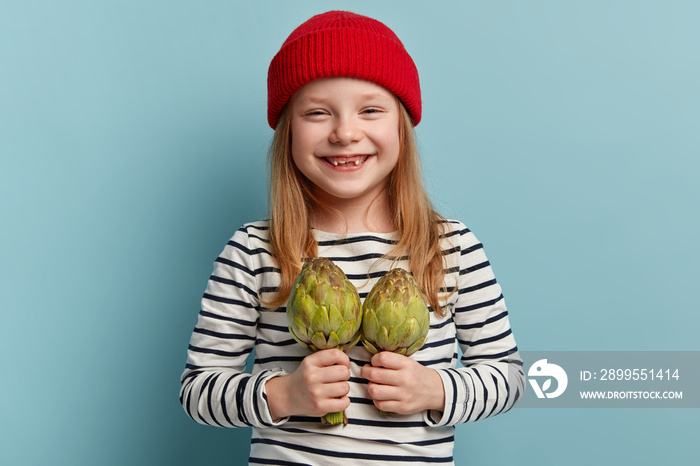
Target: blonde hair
[{"x": 292, "y": 202}]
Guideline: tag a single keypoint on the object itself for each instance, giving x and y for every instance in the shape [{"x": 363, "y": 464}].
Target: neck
[{"x": 355, "y": 215}]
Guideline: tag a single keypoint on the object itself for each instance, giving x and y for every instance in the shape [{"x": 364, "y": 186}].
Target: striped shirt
[{"x": 232, "y": 322}]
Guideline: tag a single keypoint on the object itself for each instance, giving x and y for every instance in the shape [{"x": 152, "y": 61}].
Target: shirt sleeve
[
  {"x": 215, "y": 389},
  {"x": 491, "y": 380}
]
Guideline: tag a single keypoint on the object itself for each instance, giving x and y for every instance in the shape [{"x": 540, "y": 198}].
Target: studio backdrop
[{"x": 133, "y": 143}]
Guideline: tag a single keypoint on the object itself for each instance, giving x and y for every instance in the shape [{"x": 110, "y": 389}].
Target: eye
[{"x": 372, "y": 110}]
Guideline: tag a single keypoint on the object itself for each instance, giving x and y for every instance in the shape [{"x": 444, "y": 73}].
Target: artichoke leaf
[
  {"x": 320, "y": 322},
  {"x": 383, "y": 342},
  {"x": 318, "y": 340},
  {"x": 370, "y": 326},
  {"x": 347, "y": 330},
  {"x": 299, "y": 329},
  {"x": 304, "y": 307},
  {"x": 334, "y": 318},
  {"x": 407, "y": 333},
  {"x": 333, "y": 340},
  {"x": 370, "y": 347},
  {"x": 416, "y": 346},
  {"x": 353, "y": 342},
  {"x": 299, "y": 340}
]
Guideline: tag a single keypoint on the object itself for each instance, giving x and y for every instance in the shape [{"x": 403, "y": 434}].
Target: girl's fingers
[
  {"x": 389, "y": 360},
  {"x": 329, "y": 357},
  {"x": 380, "y": 375},
  {"x": 337, "y": 390},
  {"x": 333, "y": 374},
  {"x": 330, "y": 398},
  {"x": 390, "y": 406},
  {"x": 335, "y": 405},
  {"x": 319, "y": 385},
  {"x": 315, "y": 374},
  {"x": 391, "y": 369},
  {"x": 380, "y": 392},
  {"x": 402, "y": 385},
  {"x": 392, "y": 399}
]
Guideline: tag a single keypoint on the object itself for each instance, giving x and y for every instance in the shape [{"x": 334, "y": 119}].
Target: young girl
[{"x": 343, "y": 98}]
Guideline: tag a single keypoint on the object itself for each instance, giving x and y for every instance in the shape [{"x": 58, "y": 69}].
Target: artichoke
[
  {"x": 324, "y": 312},
  {"x": 396, "y": 316}
]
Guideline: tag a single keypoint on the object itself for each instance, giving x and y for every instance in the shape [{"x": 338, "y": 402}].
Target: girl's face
[{"x": 345, "y": 137}]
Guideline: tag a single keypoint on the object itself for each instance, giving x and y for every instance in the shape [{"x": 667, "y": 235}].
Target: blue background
[{"x": 133, "y": 143}]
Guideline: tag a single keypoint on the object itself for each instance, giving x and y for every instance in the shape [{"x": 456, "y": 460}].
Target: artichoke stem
[
  {"x": 334, "y": 419},
  {"x": 386, "y": 413}
]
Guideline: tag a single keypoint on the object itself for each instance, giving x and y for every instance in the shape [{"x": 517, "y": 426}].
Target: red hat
[{"x": 341, "y": 43}]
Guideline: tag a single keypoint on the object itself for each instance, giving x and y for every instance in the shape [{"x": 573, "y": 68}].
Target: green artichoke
[
  {"x": 324, "y": 312},
  {"x": 396, "y": 316}
]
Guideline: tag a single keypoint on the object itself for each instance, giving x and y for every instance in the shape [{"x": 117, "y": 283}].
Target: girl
[{"x": 343, "y": 98}]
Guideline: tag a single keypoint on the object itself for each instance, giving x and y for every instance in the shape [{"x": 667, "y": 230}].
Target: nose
[{"x": 345, "y": 131}]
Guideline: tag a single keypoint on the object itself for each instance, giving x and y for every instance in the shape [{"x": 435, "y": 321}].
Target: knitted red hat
[{"x": 341, "y": 43}]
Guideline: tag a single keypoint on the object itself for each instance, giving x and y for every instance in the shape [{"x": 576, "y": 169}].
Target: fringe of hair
[{"x": 292, "y": 203}]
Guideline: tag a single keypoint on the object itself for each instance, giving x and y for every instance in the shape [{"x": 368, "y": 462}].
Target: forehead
[{"x": 325, "y": 89}]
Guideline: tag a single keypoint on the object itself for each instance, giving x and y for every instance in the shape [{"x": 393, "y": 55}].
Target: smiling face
[{"x": 345, "y": 138}]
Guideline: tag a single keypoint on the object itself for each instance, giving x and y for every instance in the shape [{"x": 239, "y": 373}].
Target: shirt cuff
[
  {"x": 265, "y": 416},
  {"x": 456, "y": 396}
]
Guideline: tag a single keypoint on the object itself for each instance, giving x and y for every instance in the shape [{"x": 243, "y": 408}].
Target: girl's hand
[
  {"x": 318, "y": 386},
  {"x": 402, "y": 385}
]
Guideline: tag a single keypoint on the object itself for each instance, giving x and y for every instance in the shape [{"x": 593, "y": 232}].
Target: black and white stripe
[{"x": 233, "y": 320}]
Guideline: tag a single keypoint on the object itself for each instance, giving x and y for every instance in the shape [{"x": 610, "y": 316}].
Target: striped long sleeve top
[{"x": 216, "y": 390}]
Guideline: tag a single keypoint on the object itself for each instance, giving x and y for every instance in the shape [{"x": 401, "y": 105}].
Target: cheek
[
  {"x": 302, "y": 153},
  {"x": 299, "y": 161},
  {"x": 394, "y": 148},
  {"x": 392, "y": 140},
  {"x": 297, "y": 147},
  {"x": 303, "y": 141},
  {"x": 295, "y": 151}
]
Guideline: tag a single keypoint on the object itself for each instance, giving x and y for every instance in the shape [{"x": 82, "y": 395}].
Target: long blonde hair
[{"x": 292, "y": 202}]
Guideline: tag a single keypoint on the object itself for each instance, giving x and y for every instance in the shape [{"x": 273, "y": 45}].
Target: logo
[{"x": 542, "y": 368}]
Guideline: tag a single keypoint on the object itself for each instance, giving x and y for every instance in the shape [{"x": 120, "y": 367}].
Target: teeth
[{"x": 356, "y": 162}]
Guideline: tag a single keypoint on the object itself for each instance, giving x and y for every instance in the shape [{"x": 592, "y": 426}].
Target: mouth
[{"x": 347, "y": 160}]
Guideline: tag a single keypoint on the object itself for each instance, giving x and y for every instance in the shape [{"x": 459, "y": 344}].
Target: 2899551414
[{"x": 639, "y": 374}]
